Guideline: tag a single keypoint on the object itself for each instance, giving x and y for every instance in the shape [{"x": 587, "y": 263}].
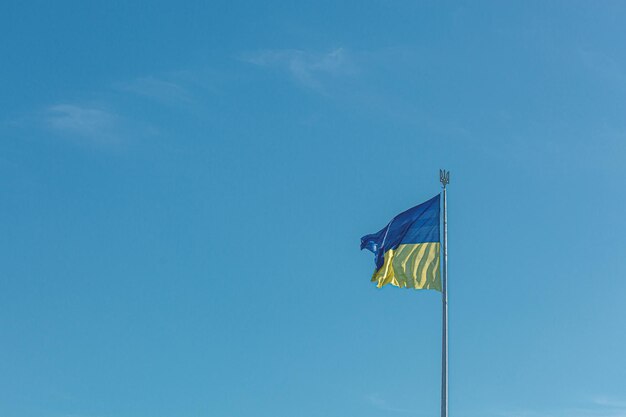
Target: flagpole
[{"x": 444, "y": 177}]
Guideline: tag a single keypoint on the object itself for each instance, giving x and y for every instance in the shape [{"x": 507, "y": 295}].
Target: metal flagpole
[{"x": 444, "y": 177}]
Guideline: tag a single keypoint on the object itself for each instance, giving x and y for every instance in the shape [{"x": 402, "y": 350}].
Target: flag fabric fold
[{"x": 406, "y": 251}]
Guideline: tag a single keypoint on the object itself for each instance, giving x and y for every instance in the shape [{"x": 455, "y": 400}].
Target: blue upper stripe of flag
[{"x": 419, "y": 224}]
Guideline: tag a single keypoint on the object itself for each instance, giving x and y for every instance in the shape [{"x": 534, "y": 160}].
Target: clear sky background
[{"x": 184, "y": 186}]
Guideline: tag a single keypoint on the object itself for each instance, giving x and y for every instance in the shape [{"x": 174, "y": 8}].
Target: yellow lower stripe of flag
[{"x": 413, "y": 265}]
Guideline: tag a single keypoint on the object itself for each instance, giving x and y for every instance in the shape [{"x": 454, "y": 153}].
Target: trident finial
[{"x": 444, "y": 177}]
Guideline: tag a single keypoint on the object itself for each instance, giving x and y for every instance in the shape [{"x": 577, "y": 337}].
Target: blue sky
[{"x": 184, "y": 186}]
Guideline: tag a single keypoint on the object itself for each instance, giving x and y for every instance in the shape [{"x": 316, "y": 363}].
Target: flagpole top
[{"x": 444, "y": 177}]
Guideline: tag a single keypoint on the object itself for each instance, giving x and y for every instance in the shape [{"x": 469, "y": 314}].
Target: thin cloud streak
[
  {"x": 307, "y": 68},
  {"x": 102, "y": 120},
  {"x": 600, "y": 406},
  {"x": 159, "y": 89},
  {"x": 609, "y": 402},
  {"x": 352, "y": 79},
  {"x": 377, "y": 401},
  {"x": 604, "y": 66},
  {"x": 87, "y": 122}
]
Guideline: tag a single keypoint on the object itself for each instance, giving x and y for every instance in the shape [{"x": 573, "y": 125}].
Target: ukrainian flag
[{"x": 407, "y": 249}]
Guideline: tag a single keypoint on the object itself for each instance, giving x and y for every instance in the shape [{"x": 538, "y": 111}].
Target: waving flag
[{"x": 406, "y": 251}]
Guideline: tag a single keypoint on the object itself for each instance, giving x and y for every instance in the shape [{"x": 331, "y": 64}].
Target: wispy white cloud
[
  {"x": 377, "y": 401},
  {"x": 87, "y": 122},
  {"x": 358, "y": 80},
  {"x": 163, "y": 90},
  {"x": 599, "y": 406},
  {"x": 566, "y": 412},
  {"x": 102, "y": 118},
  {"x": 604, "y": 66},
  {"x": 307, "y": 68},
  {"x": 606, "y": 401}
]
